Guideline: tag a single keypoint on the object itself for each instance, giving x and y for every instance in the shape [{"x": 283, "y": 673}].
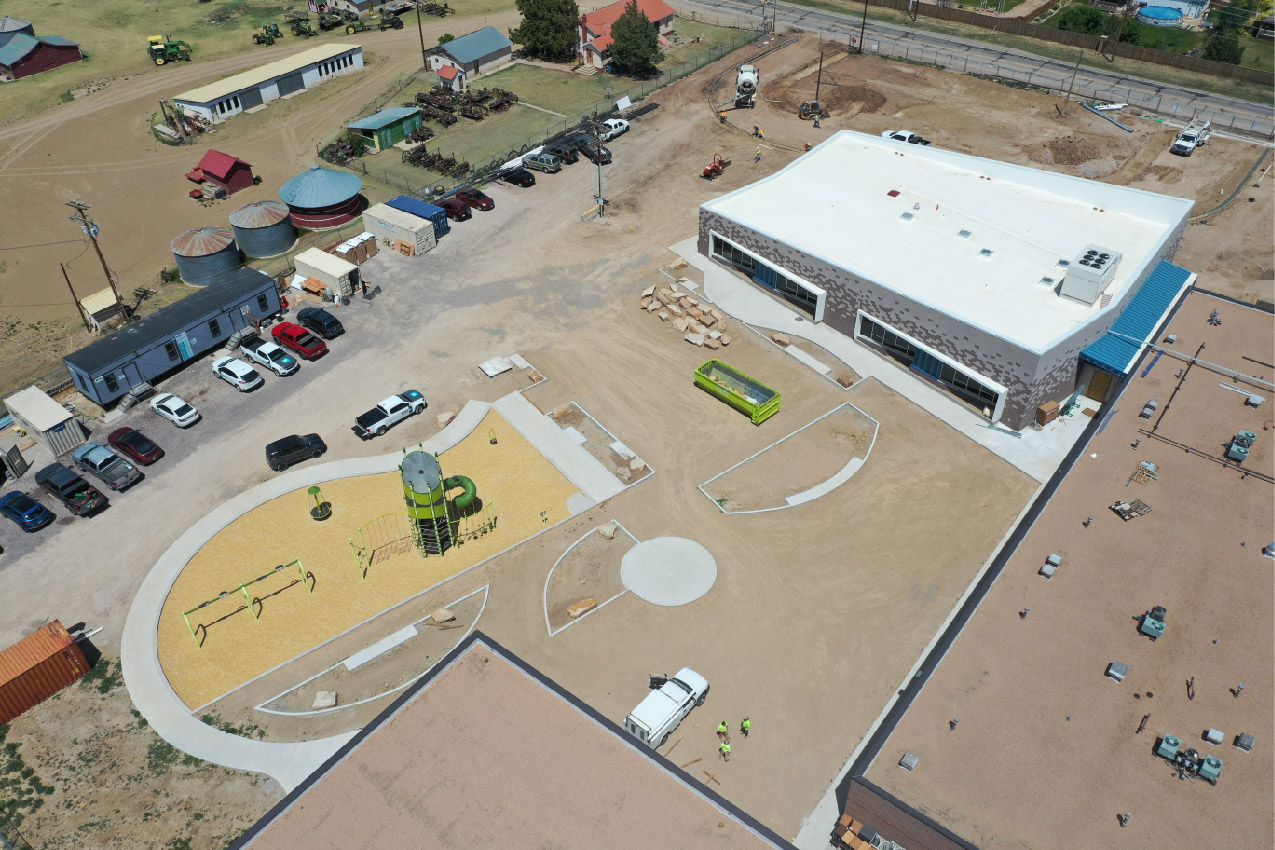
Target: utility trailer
[{"x": 747, "y": 395}]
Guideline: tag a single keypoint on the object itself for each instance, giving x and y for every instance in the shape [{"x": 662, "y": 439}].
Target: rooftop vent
[
  {"x": 907, "y": 216},
  {"x": 985, "y": 253},
  {"x": 1089, "y": 274},
  {"x": 964, "y": 234},
  {"x": 893, "y": 193},
  {"x": 1048, "y": 281}
]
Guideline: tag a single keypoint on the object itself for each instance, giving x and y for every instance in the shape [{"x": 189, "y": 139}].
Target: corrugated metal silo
[
  {"x": 205, "y": 254},
  {"x": 263, "y": 228},
  {"x": 321, "y": 198}
]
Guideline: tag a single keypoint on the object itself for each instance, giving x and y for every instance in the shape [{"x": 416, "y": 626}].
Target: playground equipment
[
  {"x": 1189, "y": 762},
  {"x": 321, "y": 510},
  {"x": 1153, "y": 623},
  {"x": 252, "y": 601},
  {"x": 745, "y": 394},
  {"x": 436, "y": 518}
]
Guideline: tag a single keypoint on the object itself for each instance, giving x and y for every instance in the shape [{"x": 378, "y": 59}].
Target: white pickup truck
[
  {"x": 1193, "y": 136},
  {"x": 670, "y": 700},
  {"x": 274, "y": 357},
  {"x": 389, "y": 412}
]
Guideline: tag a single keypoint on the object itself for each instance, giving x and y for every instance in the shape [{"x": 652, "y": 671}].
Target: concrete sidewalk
[{"x": 1036, "y": 453}]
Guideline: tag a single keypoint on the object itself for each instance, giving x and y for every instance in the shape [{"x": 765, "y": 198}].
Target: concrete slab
[
  {"x": 668, "y": 571},
  {"x": 379, "y": 648},
  {"x": 580, "y": 468}
]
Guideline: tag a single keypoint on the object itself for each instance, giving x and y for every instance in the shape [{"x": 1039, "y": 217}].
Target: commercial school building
[
  {"x": 988, "y": 278},
  {"x": 218, "y": 101}
]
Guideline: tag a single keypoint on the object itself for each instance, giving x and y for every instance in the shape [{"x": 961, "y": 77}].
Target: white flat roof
[
  {"x": 39, "y": 410},
  {"x": 834, "y": 203},
  {"x": 255, "y": 77},
  {"x": 397, "y": 218},
  {"x": 324, "y": 262}
]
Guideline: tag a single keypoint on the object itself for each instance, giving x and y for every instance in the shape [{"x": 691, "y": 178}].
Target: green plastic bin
[{"x": 747, "y": 395}]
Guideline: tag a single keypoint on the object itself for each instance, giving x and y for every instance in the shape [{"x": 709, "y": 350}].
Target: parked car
[
  {"x": 237, "y": 373},
  {"x": 905, "y": 136},
  {"x": 563, "y": 151},
  {"x": 320, "y": 321},
  {"x": 519, "y": 177},
  {"x": 669, "y": 701},
  {"x": 175, "y": 410},
  {"x": 29, "y": 514},
  {"x": 106, "y": 466},
  {"x": 545, "y": 162},
  {"x": 475, "y": 199},
  {"x": 613, "y": 128},
  {"x": 284, "y": 453},
  {"x": 591, "y": 150},
  {"x": 79, "y": 496},
  {"x": 136, "y": 445},
  {"x": 456, "y": 209},
  {"x": 389, "y": 412},
  {"x": 272, "y": 356},
  {"x": 299, "y": 340}
]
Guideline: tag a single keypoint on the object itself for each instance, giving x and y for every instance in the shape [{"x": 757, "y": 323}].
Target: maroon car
[
  {"x": 456, "y": 209},
  {"x": 475, "y": 199},
  {"x": 136, "y": 445},
  {"x": 299, "y": 340}
]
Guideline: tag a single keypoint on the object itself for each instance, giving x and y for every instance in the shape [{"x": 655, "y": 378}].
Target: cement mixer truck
[{"x": 746, "y": 85}]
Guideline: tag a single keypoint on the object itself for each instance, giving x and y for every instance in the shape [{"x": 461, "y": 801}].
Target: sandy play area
[{"x": 514, "y": 480}]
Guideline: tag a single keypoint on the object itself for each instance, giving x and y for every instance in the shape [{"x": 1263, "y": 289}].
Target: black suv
[
  {"x": 591, "y": 149},
  {"x": 320, "y": 321},
  {"x": 563, "y": 151},
  {"x": 519, "y": 177},
  {"x": 80, "y": 497},
  {"x": 284, "y": 453}
]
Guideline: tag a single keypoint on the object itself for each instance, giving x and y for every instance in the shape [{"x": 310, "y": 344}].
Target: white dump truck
[
  {"x": 1193, "y": 136},
  {"x": 671, "y": 699}
]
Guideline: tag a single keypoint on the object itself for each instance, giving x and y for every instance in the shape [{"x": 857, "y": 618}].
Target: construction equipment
[
  {"x": 1189, "y": 762},
  {"x": 1153, "y": 623},
  {"x": 163, "y": 49},
  {"x": 810, "y": 109},
  {"x": 715, "y": 168}
]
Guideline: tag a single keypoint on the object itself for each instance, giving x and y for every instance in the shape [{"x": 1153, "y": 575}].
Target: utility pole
[
  {"x": 1072, "y": 86},
  {"x": 420, "y": 30},
  {"x": 863, "y": 25},
  {"x": 78, "y": 306},
  {"x": 818, "y": 81},
  {"x": 90, "y": 229},
  {"x": 602, "y": 202}
]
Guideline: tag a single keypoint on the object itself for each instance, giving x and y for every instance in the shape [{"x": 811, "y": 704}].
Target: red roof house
[
  {"x": 451, "y": 77},
  {"x": 595, "y": 27},
  {"x": 229, "y": 172}
]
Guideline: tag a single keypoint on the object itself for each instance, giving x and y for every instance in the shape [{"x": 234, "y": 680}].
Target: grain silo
[
  {"x": 263, "y": 228},
  {"x": 205, "y": 254},
  {"x": 321, "y": 198}
]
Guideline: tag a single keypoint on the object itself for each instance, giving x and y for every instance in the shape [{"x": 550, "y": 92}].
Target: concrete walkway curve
[{"x": 172, "y": 720}]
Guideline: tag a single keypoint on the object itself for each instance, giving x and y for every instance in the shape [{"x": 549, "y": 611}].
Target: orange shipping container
[{"x": 37, "y": 667}]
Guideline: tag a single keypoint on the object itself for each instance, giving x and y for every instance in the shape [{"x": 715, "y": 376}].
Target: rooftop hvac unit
[{"x": 1089, "y": 274}]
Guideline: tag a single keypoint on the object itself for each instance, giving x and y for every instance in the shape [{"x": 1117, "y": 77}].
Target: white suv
[{"x": 237, "y": 373}]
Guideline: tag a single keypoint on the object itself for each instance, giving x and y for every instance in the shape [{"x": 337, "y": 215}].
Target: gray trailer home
[{"x": 137, "y": 354}]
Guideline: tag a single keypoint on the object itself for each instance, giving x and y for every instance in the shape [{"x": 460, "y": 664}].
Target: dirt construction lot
[
  {"x": 818, "y": 611},
  {"x": 1038, "y": 719}
]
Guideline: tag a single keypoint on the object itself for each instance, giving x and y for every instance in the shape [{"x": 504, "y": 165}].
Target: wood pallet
[{"x": 1130, "y": 509}]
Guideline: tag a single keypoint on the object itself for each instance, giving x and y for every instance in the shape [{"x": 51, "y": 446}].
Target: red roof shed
[{"x": 229, "y": 172}]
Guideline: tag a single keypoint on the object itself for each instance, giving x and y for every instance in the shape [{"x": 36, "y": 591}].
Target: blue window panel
[
  {"x": 764, "y": 275},
  {"x": 926, "y": 363}
]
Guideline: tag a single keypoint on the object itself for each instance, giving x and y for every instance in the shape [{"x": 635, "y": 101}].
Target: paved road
[{"x": 965, "y": 55}]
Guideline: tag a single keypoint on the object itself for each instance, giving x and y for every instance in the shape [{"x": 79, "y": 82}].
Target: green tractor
[
  {"x": 162, "y": 49},
  {"x": 390, "y": 23},
  {"x": 263, "y": 37},
  {"x": 273, "y": 29},
  {"x": 331, "y": 20},
  {"x": 300, "y": 23}
]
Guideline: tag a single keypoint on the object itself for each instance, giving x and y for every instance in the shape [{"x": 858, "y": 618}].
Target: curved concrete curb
[{"x": 154, "y": 697}]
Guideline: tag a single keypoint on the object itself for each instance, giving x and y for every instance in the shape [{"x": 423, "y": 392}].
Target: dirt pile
[{"x": 1072, "y": 150}]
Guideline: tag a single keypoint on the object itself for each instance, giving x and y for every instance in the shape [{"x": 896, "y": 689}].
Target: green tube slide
[{"x": 465, "y": 500}]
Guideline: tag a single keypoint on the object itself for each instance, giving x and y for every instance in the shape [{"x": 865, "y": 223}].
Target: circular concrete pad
[{"x": 668, "y": 571}]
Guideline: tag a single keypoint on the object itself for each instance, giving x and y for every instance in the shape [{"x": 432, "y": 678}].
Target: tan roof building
[{"x": 485, "y": 751}]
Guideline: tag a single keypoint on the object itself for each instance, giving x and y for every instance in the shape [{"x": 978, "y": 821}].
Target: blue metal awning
[{"x": 1118, "y": 349}]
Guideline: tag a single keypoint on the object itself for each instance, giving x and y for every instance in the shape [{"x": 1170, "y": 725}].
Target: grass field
[
  {"x": 112, "y": 34},
  {"x": 560, "y": 91},
  {"x": 1257, "y": 53}
]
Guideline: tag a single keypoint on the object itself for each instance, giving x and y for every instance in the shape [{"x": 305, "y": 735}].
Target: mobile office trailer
[{"x": 659, "y": 714}]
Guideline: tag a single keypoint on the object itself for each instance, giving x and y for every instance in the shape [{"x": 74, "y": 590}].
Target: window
[
  {"x": 214, "y": 327},
  {"x": 888, "y": 340},
  {"x": 112, "y": 384},
  {"x": 960, "y": 383},
  {"x": 173, "y": 354},
  {"x": 796, "y": 291},
  {"x": 263, "y": 303},
  {"x": 737, "y": 258}
]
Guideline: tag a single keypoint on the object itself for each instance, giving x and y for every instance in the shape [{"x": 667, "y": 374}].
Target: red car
[
  {"x": 456, "y": 209},
  {"x": 475, "y": 199},
  {"x": 136, "y": 445},
  {"x": 299, "y": 340}
]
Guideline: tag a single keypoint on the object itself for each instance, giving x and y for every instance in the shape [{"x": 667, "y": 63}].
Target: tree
[
  {"x": 1224, "y": 48},
  {"x": 446, "y": 37},
  {"x": 549, "y": 29},
  {"x": 635, "y": 42},
  {"x": 1082, "y": 19}
]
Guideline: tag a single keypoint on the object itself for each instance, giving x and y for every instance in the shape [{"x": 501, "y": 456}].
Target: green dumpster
[{"x": 745, "y": 394}]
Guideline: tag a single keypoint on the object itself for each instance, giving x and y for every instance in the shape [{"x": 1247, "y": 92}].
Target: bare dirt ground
[
  {"x": 1038, "y": 719},
  {"x": 591, "y": 569},
  {"x": 857, "y": 607},
  {"x": 798, "y": 462}
]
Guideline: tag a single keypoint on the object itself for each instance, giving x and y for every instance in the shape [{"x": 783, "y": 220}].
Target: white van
[{"x": 670, "y": 700}]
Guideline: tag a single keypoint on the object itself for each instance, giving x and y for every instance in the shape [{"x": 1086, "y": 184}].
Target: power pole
[
  {"x": 863, "y": 25},
  {"x": 90, "y": 229},
  {"x": 1072, "y": 86},
  {"x": 420, "y": 30},
  {"x": 602, "y": 203},
  {"x": 818, "y": 81},
  {"x": 78, "y": 306}
]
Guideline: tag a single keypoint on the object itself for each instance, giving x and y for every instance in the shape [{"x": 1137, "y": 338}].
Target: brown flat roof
[
  {"x": 485, "y": 751},
  {"x": 1047, "y": 751}
]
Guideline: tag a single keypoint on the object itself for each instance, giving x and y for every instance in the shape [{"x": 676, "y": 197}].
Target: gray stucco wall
[{"x": 1029, "y": 378}]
